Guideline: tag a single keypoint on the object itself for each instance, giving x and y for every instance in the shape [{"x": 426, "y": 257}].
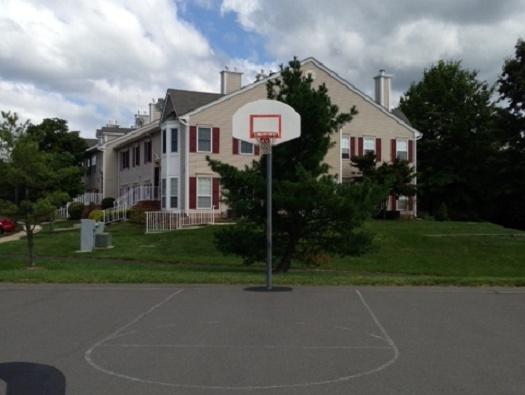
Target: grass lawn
[{"x": 407, "y": 253}]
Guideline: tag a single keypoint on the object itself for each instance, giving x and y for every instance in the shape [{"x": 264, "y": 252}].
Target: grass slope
[{"x": 407, "y": 253}]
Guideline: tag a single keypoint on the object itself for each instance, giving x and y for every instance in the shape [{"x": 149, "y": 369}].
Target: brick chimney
[
  {"x": 231, "y": 81},
  {"x": 382, "y": 89}
]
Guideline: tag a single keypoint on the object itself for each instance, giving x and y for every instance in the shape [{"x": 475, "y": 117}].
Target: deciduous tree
[
  {"x": 455, "y": 113},
  {"x": 509, "y": 206},
  {"x": 32, "y": 172}
]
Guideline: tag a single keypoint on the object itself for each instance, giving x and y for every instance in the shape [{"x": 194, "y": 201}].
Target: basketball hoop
[{"x": 266, "y": 140}]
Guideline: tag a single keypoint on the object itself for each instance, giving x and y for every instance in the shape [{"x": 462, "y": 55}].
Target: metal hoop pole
[{"x": 269, "y": 219}]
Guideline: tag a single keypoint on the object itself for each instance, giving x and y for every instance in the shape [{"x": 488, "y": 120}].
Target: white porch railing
[
  {"x": 114, "y": 214},
  {"x": 85, "y": 199},
  {"x": 165, "y": 221},
  {"x": 61, "y": 213},
  {"x": 137, "y": 194},
  {"x": 89, "y": 197}
]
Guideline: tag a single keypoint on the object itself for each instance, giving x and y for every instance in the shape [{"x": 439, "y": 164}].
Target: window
[
  {"x": 174, "y": 140},
  {"x": 147, "y": 151},
  {"x": 245, "y": 147},
  {"x": 204, "y": 139},
  {"x": 402, "y": 203},
  {"x": 94, "y": 164},
  {"x": 402, "y": 149},
  {"x": 369, "y": 145},
  {"x": 136, "y": 155},
  {"x": 164, "y": 141},
  {"x": 345, "y": 148},
  {"x": 124, "y": 159},
  {"x": 174, "y": 192},
  {"x": 163, "y": 193},
  {"x": 204, "y": 192}
]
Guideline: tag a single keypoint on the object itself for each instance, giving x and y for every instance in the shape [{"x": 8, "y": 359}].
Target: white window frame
[
  {"x": 204, "y": 192},
  {"x": 174, "y": 132},
  {"x": 246, "y": 144},
  {"x": 402, "y": 203},
  {"x": 345, "y": 147},
  {"x": 369, "y": 145},
  {"x": 402, "y": 152},
  {"x": 174, "y": 192},
  {"x": 203, "y": 128},
  {"x": 163, "y": 193}
]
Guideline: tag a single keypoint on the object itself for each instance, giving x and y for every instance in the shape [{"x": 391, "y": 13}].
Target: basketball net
[{"x": 266, "y": 141}]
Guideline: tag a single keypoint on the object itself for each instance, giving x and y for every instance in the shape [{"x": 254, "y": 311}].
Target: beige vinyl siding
[
  {"x": 371, "y": 121},
  {"x": 220, "y": 115}
]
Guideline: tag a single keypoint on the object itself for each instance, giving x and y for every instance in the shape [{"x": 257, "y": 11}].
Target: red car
[{"x": 6, "y": 225}]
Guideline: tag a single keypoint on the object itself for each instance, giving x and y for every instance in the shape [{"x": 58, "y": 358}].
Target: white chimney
[
  {"x": 231, "y": 81},
  {"x": 382, "y": 89}
]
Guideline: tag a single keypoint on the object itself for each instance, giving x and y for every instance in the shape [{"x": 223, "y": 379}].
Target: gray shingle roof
[
  {"x": 401, "y": 115},
  {"x": 186, "y": 101}
]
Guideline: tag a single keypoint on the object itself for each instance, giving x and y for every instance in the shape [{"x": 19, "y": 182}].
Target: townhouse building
[{"x": 166, "y": 152}]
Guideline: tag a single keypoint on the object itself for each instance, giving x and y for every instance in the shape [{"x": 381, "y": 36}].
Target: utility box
[
  {"x": 92, "y": 236},
  {"x": 87, "y": 232},
  {"x": 102, "y": 240}
]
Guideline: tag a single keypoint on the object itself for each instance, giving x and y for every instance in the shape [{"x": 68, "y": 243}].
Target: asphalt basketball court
[{"x": 64, "y": 339}]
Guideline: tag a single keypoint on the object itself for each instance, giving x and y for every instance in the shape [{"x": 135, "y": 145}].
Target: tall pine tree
[{"x": 313, "y": 216}]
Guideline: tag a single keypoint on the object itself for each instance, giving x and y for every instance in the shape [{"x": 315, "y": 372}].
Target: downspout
[{"x": 184, "y": 170}]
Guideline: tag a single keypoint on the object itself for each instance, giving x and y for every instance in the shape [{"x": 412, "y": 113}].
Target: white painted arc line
[
  {"x": 302, "y": 385},
  {"x": 118, "y": 332}
]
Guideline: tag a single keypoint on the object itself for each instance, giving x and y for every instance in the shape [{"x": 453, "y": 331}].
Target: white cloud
[{"x": 91, "y": 61}]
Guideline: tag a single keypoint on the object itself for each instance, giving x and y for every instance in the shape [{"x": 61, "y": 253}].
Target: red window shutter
[
  {"x": 256, "y": 149},
  {"x": 378, "y": 150},
  {"x": 393, "y": 205},
  {"x": 410, "y": 151},
  {"x": 352, "y": 147},
  {"x": 393, "y": 150},
  {"x": 193, "y": 139},
  {"x": 235, "y": 146},
  {"x": 215, "y": 193},
  {"x": 216, "y": 138},
  {"x": 359, "y": 146},
  {"x": 193, "y": 193}
]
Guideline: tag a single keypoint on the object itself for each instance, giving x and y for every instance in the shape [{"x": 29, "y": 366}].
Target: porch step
[{"x": 148, "y": 205}]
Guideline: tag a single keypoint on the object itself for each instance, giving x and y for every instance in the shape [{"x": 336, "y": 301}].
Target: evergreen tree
[
  {"x": 313, "y": 216},
  {"x": 397, "y": 176}
]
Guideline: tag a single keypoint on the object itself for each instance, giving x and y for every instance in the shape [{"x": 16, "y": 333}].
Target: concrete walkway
[{"x": 18, "y": 235}]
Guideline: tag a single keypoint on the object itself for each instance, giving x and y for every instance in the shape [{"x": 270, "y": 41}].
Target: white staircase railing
[
  {"x": 137, "y": 194},
  {"x": 114, "y": 214},
  {"x": 165, "y": 221}
]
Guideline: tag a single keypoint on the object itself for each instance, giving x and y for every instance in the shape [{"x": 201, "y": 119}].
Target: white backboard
[{"x": 270, "y": 116}]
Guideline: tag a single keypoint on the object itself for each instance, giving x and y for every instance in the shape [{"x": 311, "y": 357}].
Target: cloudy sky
[{"x": 92, "y": 62}]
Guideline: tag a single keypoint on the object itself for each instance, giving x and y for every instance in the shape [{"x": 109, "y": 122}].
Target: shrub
[
  {"x": 96, "y": 215},
  {"x": 107, "y": 203},
  {"x": 88, "y": 209},
  {"x": 441, "y": 213},
  {"x": 137, "y": 216},
  {"x": 75, "y": 210}
]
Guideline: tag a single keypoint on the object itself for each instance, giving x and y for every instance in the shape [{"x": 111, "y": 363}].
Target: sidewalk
[{"x": 18, "y": 235}]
